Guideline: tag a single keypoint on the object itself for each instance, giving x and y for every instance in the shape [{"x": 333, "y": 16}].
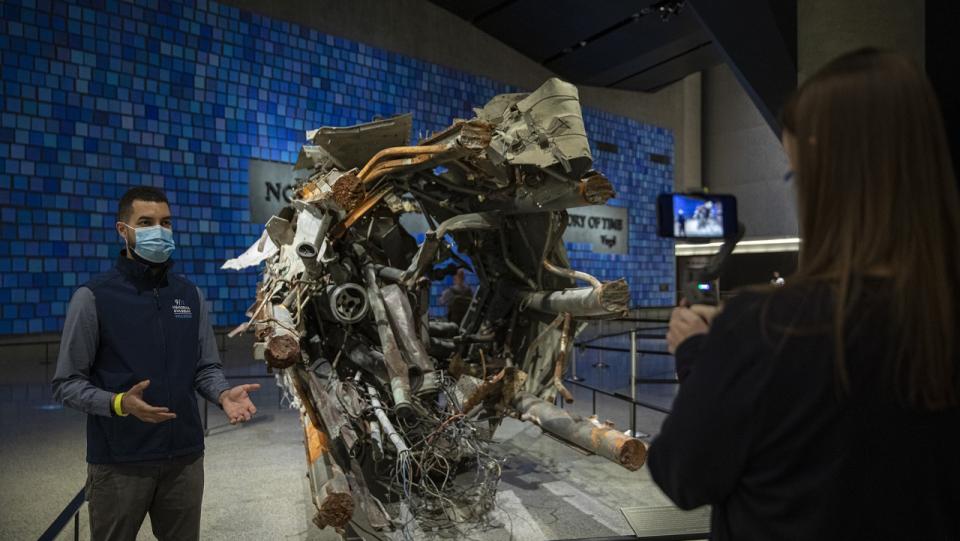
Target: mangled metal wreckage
[{"x": 396, "y": 404}]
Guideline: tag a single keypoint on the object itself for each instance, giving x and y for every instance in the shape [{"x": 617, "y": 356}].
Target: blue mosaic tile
[{"x": 97, "y": 96}]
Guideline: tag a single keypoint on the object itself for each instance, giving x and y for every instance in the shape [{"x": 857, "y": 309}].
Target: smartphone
[{"x": 696, "y": 216}]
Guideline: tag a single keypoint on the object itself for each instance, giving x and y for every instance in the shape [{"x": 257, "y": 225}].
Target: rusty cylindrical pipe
[
  {"x": 282, "y": 342},
  {"x": 398, "y": 151},
  {"x": 607, "y": 442},
  {"x": 609, "y": 299},
  {"x": 328, "y": 484}
]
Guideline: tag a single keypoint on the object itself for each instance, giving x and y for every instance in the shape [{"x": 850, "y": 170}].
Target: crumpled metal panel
[
  {"x": 353, "y": 146},
  {"x": 544, "y": 129}
]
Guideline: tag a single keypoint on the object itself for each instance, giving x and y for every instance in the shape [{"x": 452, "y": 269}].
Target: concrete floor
[
  {"x": 255, "y": 478},
  {"x": 256, "y": 486},
  {"x": 550, "y": 490}
]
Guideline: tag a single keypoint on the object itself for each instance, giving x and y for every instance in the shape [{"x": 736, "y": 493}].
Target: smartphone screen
[{"x": 697, "y": 216}]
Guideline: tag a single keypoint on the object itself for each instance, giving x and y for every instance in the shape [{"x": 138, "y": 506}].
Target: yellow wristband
[{"x": 118, "y": 405}]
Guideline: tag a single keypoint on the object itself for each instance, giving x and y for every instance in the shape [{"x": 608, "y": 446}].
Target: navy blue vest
[{"x": 149, "y": 329}]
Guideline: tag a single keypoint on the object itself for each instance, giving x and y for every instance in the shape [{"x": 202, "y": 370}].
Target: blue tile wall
[{"x": 101, "y": 95}]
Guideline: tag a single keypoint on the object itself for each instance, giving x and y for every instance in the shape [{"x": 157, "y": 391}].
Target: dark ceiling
[
  {"x": 622, "y": 44},
  {"x": 647, "y": 44}
]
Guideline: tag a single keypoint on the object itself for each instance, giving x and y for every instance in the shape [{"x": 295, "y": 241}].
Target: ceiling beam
[{"x": 750, "y": 39}]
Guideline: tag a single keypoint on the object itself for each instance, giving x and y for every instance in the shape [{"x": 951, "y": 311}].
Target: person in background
[
  {"x": 681, "y": 224},
  {"x": 137, "y": 344},
  {"x": 457, "y": 297},
  {"x": 829, "y": 408},
  {"x": 777, "y": 280}
]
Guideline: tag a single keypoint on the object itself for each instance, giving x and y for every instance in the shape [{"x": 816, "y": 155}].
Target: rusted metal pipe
[
  {"x": 610, "y": 299},
  {"x": 572, "y": 274},
  {"x": 282, "y": 339},
  {"x": 596, "y": 189},
  {"x": 605, "y": 441},
  {"x": 397, "y": 368},
  {"x": 400, "y": 314},
  {"x": 560, "y": 361},
  {"x": 385, "y": 424},
  {"x": 334, "y": 501},
  {"x": 593, "y": 190},
  {"x": 393, "y": 166},
  {"x": 377, "y": 438},
  {"x": 389, "y": 274},
  {"x": 472, "y": 133},
  {"x": 328, "y": 484},
  {"x": 398, "y": 151}
]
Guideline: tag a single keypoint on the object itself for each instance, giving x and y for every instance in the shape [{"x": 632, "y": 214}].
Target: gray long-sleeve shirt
[{"x": 78, "y": 349}]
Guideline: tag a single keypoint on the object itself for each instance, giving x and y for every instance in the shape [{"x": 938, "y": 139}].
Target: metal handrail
[
  {"x": 628, "y": 331},
  {"x": 666, "y": 537},
  {"x": 622, "y": 350},
  {"x": 641, "y": 320},
  {"x": 59, "y": 523},
  {"x": 618, "y": 396},
  {"x": 632, "y": 399}
]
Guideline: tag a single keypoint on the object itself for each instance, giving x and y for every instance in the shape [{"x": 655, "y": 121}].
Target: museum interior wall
[
  {"x": 182, "y": 95},
  {"x": 743, "y": 156},
  {"x": 426, "y": 31},
  {"x": 826, "y": 28}
]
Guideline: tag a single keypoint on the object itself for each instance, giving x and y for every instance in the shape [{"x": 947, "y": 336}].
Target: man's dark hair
[{"x": 139, "y": 193}]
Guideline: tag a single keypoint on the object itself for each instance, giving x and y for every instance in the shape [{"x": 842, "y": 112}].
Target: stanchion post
[
  {"x": 633, "y": 365},
  {"x": 633, "y": 383},
  {"x": 600, "y": 363},
  {"x": 76, "y": 526},
  {"x": 573, "y": 363},
  {"x": 46, "y": 362}
]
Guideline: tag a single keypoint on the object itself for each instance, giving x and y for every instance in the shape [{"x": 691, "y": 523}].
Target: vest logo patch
[{"x": 181, "y": 310}]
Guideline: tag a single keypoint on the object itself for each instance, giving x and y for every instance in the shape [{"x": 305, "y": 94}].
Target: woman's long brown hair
[{"x": 876, "y": 195}]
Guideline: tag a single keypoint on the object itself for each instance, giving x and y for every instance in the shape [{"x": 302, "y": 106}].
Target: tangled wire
[{"x": 443, "y": 445}]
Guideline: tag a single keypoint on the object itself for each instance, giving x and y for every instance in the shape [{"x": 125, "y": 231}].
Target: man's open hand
[
  {"x": 236, "y": 403},
  {"x": 133, "y": 403}
]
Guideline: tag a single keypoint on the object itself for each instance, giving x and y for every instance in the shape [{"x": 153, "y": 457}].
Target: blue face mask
[{"x": 154, "y": 243}]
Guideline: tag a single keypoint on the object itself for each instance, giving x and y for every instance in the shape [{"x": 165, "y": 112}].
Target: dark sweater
[{"x": 760, "y": 432}]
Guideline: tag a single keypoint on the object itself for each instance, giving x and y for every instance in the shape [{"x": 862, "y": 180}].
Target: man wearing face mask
[{"x": 136, "y": 345}]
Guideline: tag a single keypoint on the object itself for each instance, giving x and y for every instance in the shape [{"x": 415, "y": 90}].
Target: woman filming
[{"x": 829, "y": 408}]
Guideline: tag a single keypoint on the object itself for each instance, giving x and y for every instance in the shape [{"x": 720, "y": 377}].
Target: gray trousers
[{"x": 121, "y": 495}]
